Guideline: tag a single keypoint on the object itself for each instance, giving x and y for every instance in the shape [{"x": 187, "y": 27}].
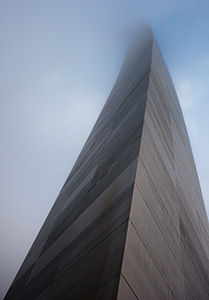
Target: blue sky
[{"x": 59, "y": 61}]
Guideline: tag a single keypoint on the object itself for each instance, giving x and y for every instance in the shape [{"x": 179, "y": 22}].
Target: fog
[{"x": 59, "y": 61}]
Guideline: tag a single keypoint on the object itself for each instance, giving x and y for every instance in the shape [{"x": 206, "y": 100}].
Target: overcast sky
[{"x": 59, "y": 61}]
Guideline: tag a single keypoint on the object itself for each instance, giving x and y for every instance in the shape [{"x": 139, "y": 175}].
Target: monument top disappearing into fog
[{"x": 129, "y": 222}]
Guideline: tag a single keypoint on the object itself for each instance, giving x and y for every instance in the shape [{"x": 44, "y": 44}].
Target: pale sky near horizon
[{"x": 59, "y": 61}]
